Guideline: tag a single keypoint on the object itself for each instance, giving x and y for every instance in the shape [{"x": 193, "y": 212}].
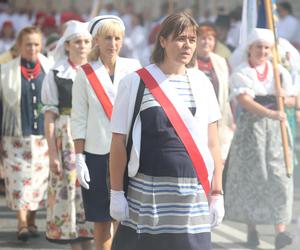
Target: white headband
[{"x": 98, "y": 21}]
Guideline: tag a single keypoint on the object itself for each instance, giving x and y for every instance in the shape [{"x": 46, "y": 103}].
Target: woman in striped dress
[{"x": 166, "y": 206}]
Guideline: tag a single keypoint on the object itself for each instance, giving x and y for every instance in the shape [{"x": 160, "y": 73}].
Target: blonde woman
[
  {"x": 94, "y": 91},
  {"x": 65, "y": 214}
]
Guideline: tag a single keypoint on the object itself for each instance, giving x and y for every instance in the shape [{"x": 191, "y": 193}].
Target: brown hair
[
  {"x": 26, "y": 31},
  {"x": 173, "y": 25}
]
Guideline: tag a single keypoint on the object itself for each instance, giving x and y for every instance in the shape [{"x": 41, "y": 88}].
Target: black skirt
[
  {"x": 127, "y": 239},
  {"x": 96, "y": 198}
]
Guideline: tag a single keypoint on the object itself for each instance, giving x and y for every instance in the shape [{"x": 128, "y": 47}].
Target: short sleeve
[
  {"x": 240, "y": 84},
  {"x": 49, "y": 93},
  {"x": 119, "y": 121}
]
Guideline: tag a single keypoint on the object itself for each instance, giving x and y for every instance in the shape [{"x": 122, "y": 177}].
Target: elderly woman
[
  {"x": 216, "y": 69},
  {"x": 257, "y": 188},
  {"x": 175, "y": 166},
  {"x": 65, "y": 214},
  {"x": 22, "y": 131},
  {"x": 94, "y": 92}
]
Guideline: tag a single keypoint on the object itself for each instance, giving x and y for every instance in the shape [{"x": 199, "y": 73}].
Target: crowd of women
[{"x": 130, "y": 157}]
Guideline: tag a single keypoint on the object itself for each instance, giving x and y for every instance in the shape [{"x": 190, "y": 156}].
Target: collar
[{"x": 65, "y": 70}]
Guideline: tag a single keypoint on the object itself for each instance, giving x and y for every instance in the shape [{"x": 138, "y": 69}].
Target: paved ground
[
  {"x": 8, "y": 240},
  {"x": 230, "y": 236}
]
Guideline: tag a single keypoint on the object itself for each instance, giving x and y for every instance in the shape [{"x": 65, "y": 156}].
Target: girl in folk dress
[
  {"x": 25, "y": 149},
  {"x": 175, "y": 159},
  {"x": 65, "y": 214},
  {"x": 90, "y": 120}
]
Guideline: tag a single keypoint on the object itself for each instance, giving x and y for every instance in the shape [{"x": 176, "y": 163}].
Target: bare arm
[
  {"x": 50, "y": 118},
  {"x": 254, "y": 107},
  {"x": 213, "y": 145},
  {"x": 79, "y": 146},
  {"x": 117, "y": 161}
]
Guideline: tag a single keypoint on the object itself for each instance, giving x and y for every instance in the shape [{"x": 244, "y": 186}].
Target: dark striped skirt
[{"x": 165, "y": 213}]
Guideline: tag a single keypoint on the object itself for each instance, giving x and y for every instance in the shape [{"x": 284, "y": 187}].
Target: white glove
[
  {"x": 118, "y": 205},
  {"x": 83, "y": 175},
  {"x": 216, "y": 210}
]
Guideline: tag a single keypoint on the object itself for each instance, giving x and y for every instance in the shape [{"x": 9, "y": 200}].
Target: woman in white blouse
[
  {"x": 93, "y": 96},
  {"x": 257, "y": 190},
  {"x": 65, "y": 214}
]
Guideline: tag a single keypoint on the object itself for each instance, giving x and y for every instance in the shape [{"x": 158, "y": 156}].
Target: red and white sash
[
  {"x": 102, "y": 85},
  {"x": 180, "y": 117}
]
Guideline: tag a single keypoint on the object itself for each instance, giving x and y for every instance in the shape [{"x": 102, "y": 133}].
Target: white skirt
[{"x": 26, "y": 171}]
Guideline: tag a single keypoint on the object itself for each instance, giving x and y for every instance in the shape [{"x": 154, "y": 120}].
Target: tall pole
[
  {"x": 280, "y": 99},
  {"x": 96, "y": 7},
  {"x": 196, "y": 9},
  {"x": 213, "y": 8},
  {"x": 171, "y": 6}
]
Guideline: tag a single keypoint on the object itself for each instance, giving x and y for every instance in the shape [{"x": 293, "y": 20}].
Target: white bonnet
[
  {"x": 241, "y": 53},
  {"x": 73, "y": 29},
  {"x": 259, "y": 34}
]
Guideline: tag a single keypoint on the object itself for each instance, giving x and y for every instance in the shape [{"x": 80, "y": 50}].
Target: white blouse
[
  {"x": 244, "y": 81},
  {"x": 49, "y": 87},
  {"x": 88, "y": 119}
]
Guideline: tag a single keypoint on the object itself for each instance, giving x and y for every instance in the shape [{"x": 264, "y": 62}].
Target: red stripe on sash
[
  {"x": 99, "y": 90},
  {"x": 178, "y": 124}
]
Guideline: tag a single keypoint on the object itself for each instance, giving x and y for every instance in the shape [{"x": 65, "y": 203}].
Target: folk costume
[
  {"x": 65, "y": 213},
  {"x": 257, "y": 190},
  {"x": 168, "y": 207},
  {"x": 22, "y": 130},
  {"x": 90, "y": 121}
]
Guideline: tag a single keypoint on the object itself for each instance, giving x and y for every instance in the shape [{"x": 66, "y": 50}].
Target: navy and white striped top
[
  {"x": 183, "y": 88},
  {"x": 165, "y": 196}
]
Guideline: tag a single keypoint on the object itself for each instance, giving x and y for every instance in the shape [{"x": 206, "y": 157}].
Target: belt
[
  {"x": 65, "y": 111},
  {"x": 268, "y": 101}
]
